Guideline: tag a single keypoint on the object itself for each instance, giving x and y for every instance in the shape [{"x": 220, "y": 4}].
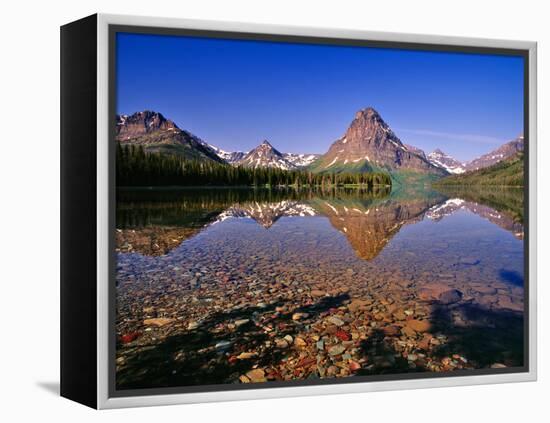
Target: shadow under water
[
  {"x": 484, "y": 335},
  {"x": 208, "y": 356}
]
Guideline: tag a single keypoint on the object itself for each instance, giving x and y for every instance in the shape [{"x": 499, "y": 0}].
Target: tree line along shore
[{"x": 136, "y": 167}]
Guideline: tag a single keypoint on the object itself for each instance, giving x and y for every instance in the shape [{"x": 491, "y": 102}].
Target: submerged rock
[
  {"x": 223, "y": 345},
  {"x": 336, "y": 350},
  {"x": 419, "y": 325},
  {"x": 451, "y": 296},
  {"x": 335, "y": 321},
  {"x": 256, "y": 375},
  {"x": 159, "y": 321}
]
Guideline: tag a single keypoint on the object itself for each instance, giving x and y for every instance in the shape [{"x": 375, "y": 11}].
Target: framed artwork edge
[{"x": 104, "y": 197}]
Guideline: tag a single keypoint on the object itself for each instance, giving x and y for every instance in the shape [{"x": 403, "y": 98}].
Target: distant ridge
[
  {"x": 501, "y": 153},
  {"x": 507, "y": 172}
]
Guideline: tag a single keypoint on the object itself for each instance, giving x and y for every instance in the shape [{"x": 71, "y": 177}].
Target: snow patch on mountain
[
  {"x": 265, "y": 155},
  {"x": 443, "y": 160},
  {"x": 300, "y": 160}
]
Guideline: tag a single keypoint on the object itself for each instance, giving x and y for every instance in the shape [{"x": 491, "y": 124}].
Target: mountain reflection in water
[
  {"x": 246, "y": 286},
  {"x": 155, "y": 222}
]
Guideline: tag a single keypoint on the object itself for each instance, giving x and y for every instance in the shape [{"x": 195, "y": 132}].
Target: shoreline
[
  {"x": 477, "y": 186},
  {"x": 253, "y": 187}
]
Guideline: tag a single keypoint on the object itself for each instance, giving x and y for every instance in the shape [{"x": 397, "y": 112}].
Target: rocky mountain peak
[
  {"x": 369, "y": 122},
  {"x": 265, "y": 155},
  {"x": 369, "y": 143},
  {"x": 367, "y": 113},
  {"x": 156, "y": 134},
  {"x": 141, "y": 123},
  {"x": 266, "y": 146}
]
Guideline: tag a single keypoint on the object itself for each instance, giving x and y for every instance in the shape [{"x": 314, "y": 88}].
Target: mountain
[
  {"x": 453, "y": 166},
  {"x": 502, "y": 153},
  {"x": 507, "y": 172},
  {"x": 265, "y": 155},
  {"x": 300, "y": 160},
  {"x": 369, "y": 144},
  {"x": 441, "y": 159},
  {"x": 231, "y": 157},
  {"x": 415, "y": 150},
  {"x": 157, "y": 134},
  {"x": 234, "y": 157}
]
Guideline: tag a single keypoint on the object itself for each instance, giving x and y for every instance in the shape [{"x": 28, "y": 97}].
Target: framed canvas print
[{"x": 254, "y": 211}]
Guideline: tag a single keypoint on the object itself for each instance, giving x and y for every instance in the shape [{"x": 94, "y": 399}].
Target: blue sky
[{"x": 302, "y": 97}]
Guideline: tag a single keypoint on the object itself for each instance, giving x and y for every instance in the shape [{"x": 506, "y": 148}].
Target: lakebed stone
[
  {"x": 159, "y": 321},
  {"x": 336, "y": 349},
  {"x": 419, "y": 325},
  {"x": 256, "y": 375}
]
